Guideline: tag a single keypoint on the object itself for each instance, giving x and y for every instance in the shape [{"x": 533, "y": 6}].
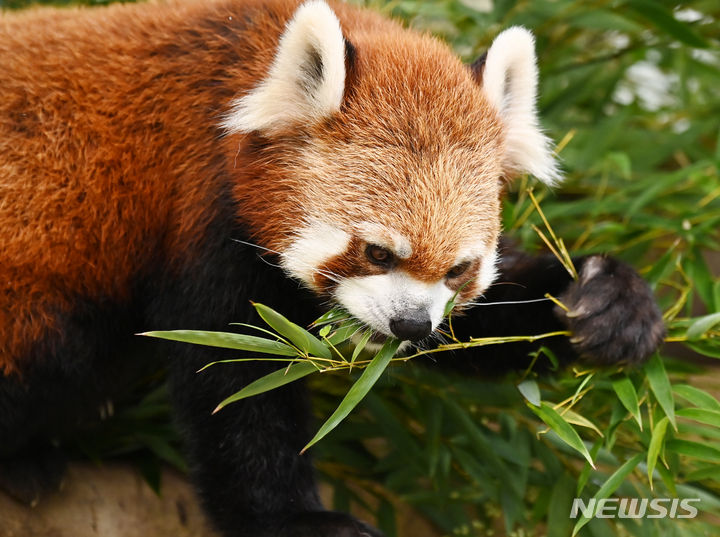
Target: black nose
[{"x": 412, "y": 326}]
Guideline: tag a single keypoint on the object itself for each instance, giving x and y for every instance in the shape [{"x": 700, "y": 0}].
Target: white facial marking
[
  {"x": 314, "y": 245},
  {"x": 377, "y": 299},
  {"x": 510, "y": 83},
  {"x": 374, "y": 233},
  {"x": 488, "y": 269},
  {"x": 488, "y": 256},
  {"x": 306, "y": 80}
]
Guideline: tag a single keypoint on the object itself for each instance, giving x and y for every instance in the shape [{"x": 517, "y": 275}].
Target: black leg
[{"x": 244, "y": 460}]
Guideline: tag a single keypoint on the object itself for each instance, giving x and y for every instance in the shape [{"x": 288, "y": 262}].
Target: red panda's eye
[
  {"x": 458, "y": 270},
  {"x": 379, "y": 255}
]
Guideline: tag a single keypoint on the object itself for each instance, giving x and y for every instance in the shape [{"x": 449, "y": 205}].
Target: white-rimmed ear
[
  {"x": 306, "y": 81},
  {"x": 509, "y": 79}
]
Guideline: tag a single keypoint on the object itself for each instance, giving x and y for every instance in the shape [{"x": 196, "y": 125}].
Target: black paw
[
  {"x": 326, "y": 524},
  {"x": 31, "y": 475},
  {"x": 613, "y": 315}
]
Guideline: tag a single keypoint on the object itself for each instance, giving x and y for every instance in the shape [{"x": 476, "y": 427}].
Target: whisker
[
  {"x": 256, "y": 246},
  {"x": 260, "y": 255},
  {"x": 261, "y": 258},
  {"x": 507, "y": 283},
  {"x": 329, "y": 275},
  {"x": 506, "y": 302}
]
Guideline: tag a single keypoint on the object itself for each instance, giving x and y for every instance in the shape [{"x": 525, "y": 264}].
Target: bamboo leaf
[
  {"x": 362, "y": 386},
  {"x": 271, "y": 381},
  {"x": 300, "y": 337},
  {"x": 705, "y": 348},
  {"x": 361, "y": 345},
  {"x": 696, "y": 396},
  {"x": 668, "y": 479},
  {"x": 610, "y": 486},
  {"x": 701, "y": 325},
  {"x": 587, "y": 469},
  {"x": 711, "y": 471},
  {"x": 343, "y": 332},
  {"x": 694, "y": 450},
  {"x": 628, "y": 397},
  {"x": 703, "y": 415},
  {"x": 563, "y": 429},
  {"x": 660, "y": 386},
  {"x": 561, "y": 497},
  {"x": 449, "y": 307},
  {"x": 163, "y": 450},
  {"x": 530, "y": 391},
  {"x": 335, "y": 315},
  {"x": 227, "y": 340},
  {"x": 576, "y": 419},
  {"x": 656, "y": 443}
]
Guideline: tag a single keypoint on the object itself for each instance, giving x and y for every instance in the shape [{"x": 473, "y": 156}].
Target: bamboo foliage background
[{"x": 629, "y": 89}]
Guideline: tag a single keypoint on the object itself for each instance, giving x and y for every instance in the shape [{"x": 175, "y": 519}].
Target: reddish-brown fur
[{"x": 108, "y": 136}]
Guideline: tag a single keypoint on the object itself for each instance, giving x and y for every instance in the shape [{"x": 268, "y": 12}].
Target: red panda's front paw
[{"x": 612, "y": 313}]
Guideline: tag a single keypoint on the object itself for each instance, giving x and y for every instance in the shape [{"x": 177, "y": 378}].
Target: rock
[{"x": 108, "y": 500}]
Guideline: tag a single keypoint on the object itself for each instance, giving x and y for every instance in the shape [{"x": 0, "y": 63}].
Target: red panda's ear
[
  {"x": 306, "y": 81},
  {"x": 509, "y": 76},
  {"x": 478, "y": 67}
]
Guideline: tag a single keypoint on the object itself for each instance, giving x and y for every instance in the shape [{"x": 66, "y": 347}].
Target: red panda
[{"x": 137, "y": 141}]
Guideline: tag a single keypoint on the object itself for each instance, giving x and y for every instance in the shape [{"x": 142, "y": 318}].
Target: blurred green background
[{"x": 630, "y": 90}]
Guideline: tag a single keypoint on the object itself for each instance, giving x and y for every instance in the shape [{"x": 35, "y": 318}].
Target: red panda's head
[{"x": 379, "y": 159}]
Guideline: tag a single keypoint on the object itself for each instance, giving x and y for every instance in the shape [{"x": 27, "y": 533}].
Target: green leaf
[
  {"x": 163, "y": 450},
  {"x": 227, "y": 340},
  {"x": 453, "y": 301},
  {"x": 706, "y": 348},
  {"x": 449, "y": 307},
  {"x": 563, "y": 429},
  {"x": 656, "y": 443},
  {"x": 587, "y": 469},
  {"x": 663, "y": 19},
  {"x": 300, "y": 337},
  {"x": 576, "y": 419},
  {"x": 610, "y": 486},
  {"x": 711, "y": 471},
  {"x": 386, "y": 518},
  {"x": 696, "y": 396},
  {"x": 701, "y": 325},
  {"x": 271, "y": 381},
  {"x": 530, "y": 391},
  {"x": 694, "y": 450},
  {"x": 703, "y": 415},
  {"x": 662, "y": 267},
  {"x": 701, "y": 277},
  {"x": 554, "y": 362},
  {"x": 561, "y": 497},
  {"x": 361, "y": 345},
  {"x": 344, "y": 332},
  {"x": 433, "y": 429},
  {"x": 628, "y": 397},
  {"x": 362, "y": 386},
  {"x": 325, "y": 330},
  {"x": 660, "y": 386},
  {"x": 333, "y": 316},
  {"x": 622, "y": 162},
  {"x": 668, "y": 479}
]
